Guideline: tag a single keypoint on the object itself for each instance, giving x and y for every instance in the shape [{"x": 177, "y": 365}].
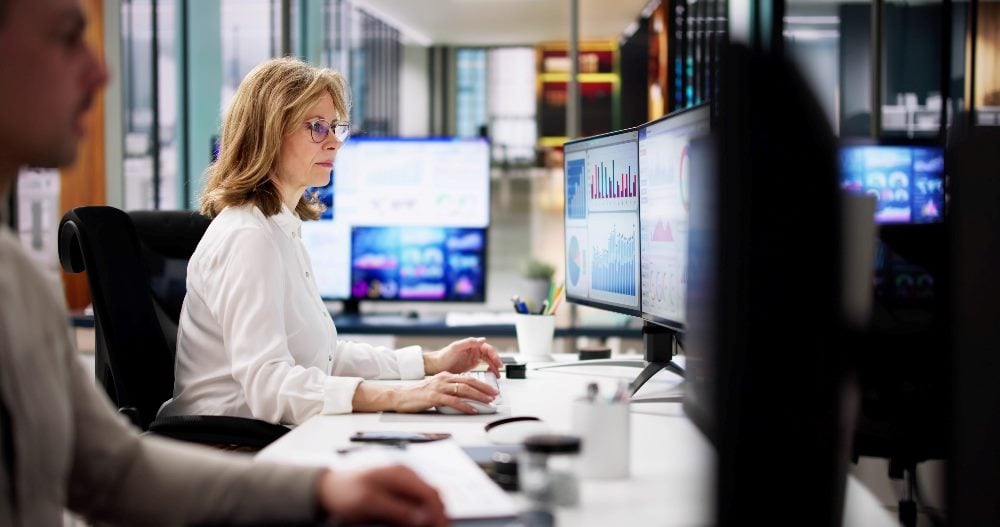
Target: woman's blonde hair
[{"x": 269, "y": 104}]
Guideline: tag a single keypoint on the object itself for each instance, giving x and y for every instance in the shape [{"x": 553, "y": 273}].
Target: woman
[{"x": 255, "y": 339}]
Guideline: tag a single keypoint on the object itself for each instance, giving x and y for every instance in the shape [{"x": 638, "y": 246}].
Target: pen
[
  {"x": 545, "y": 307},
  {"x": 552, "y": 310},
  {"x": 558, "y": 291},
  {"x": 621, "y": 394},
  {"x": 516, "y": 300}
]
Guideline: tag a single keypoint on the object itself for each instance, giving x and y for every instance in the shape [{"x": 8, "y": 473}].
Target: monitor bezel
[
  {"x": 615, "y": 308},
  {"x": 674, "y": 325}
]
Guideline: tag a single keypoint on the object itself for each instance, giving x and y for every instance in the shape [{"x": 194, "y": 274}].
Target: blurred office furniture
[
  {"x": 904, "y": 402},
  {"x": 600, "y": 95},
  {"x": 136, "y": 268},
  {"x": 974, "y": 466},
  {"x": 988, "y": 116}
]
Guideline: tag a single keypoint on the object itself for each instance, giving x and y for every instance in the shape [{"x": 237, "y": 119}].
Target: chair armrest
[{"x": 219, "y": 430}]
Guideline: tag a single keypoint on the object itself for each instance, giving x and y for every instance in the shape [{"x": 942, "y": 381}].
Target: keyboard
[{"x": 467, "y": 492}]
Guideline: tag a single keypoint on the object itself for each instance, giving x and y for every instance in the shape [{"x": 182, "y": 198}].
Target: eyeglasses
[{"x": 320, "y": 129}]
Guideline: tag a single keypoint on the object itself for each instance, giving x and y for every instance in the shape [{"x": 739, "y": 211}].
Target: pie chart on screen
[{"x": 574, "y": 261}]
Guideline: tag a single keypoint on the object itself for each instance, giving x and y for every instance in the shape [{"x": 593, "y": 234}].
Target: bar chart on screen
[
  {"x": 613, "y": 178},
  {"x": 614, "y": 270},
  {"x": 576, "y": 197}
]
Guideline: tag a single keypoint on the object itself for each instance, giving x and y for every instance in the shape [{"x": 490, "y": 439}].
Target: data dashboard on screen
[
  {"x": 906, "y": 181},
  {"x": 405, "y": 219},
  {"x": 665, "y": 169},
  {"x": 602, "y": 221}
]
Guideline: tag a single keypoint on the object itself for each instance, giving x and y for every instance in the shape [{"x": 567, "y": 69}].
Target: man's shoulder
[
  {"x": 32, "y": 306},
  {"x": 19, "y": 271}
]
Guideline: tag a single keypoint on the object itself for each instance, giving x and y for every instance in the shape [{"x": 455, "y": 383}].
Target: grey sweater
[{"x": 63, "y": 446}]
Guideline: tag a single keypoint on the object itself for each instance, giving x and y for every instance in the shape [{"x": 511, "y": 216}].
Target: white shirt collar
[{"x": 288, "y": 221}]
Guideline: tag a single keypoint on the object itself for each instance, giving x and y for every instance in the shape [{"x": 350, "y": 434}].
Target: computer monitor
[
  {"x": 420, "y": 206},
  {"x": 602, "y": 221},
  {"x": 418, "y": 263},
  {"x": 764, "y": 335},
  {"x": 906, "y": 180},
  {"x": 665, "y": 172},
  {"x": 603, "y": 247}
]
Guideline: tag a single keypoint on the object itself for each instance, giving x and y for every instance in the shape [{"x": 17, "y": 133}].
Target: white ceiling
[{"x": 502, "y": 22}]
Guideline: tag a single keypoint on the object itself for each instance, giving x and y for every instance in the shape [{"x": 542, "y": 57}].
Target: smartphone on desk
[{"x": 386, "y": 436}]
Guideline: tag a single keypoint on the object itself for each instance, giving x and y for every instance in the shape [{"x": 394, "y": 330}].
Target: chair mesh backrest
[
  {"x": 132, "y": 340},
  {"x": 167, "y": 240}
]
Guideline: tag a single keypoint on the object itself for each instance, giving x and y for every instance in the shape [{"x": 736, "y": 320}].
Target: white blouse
[{"x": 255, "y": 339}]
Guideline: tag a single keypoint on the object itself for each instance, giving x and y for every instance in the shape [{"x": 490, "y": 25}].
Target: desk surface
[{"x": 671, "y": 461}]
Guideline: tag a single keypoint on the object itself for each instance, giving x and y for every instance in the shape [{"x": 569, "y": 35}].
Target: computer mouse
[{"x": 482, "y": 408}]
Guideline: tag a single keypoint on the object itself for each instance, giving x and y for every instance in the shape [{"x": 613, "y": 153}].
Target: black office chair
[{"x": 136, "y": 266}]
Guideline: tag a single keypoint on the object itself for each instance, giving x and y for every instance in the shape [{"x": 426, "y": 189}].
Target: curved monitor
[
  {"x": 665, "y": 169},
  {"x": 602, "y": 221}
]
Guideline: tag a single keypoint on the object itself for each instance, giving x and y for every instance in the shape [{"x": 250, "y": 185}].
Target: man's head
[{"x": 50, "y": 76}]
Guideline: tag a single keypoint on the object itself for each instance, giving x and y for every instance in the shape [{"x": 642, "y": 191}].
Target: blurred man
[{"x": 61, "y": 444}]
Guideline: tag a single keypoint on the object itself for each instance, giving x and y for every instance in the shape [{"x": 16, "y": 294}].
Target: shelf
[
  {"x": 551, "y": 142},
  {"x": 613, "y": 78}
]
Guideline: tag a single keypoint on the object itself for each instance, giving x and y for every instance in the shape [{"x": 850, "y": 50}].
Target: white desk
[{"x": 672, "y": 462}]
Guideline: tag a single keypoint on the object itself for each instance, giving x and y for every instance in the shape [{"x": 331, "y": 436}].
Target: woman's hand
[
  {"x": 461, "y": 356},
  {"x": 394, "y": 495},
  {"x": 443, "y": 389}
]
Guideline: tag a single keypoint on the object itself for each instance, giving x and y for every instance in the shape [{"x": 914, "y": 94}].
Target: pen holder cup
[
  {"x": 534, "y": 336},
  {"x": 603, "y": 428}
]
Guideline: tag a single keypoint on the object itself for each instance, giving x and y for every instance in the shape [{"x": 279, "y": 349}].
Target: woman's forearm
[
  {"x": 430, "y": 364},
  {"x": 371, "y": 397}
]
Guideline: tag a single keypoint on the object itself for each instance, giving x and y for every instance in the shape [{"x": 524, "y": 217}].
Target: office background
[
  {"x": 470, "y": 68},
  {"x": 880, "y": 69}
]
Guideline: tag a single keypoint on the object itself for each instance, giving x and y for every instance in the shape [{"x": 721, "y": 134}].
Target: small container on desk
[
  {"x": 603, "y": 426},
  {"x": 547, "y": 470},
  {"x": 534, "y": 336}
]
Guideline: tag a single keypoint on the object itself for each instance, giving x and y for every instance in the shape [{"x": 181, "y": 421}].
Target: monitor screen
[
  {"x": 602, "y": 221},
  {"x": 418, "y": 263},
  {"x": 665, "y": 170},
  {"x": 906, "y": 181},
  {"x": 429, "y": 185}
]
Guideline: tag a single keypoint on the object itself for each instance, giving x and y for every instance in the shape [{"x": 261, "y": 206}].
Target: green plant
[{"x": 539, "y": 270}]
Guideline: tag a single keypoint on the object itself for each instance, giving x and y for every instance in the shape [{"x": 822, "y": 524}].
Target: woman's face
[{"x": 302, "y": 162}]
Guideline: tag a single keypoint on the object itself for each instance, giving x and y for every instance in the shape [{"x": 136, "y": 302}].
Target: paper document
[{"x": 468, "y": 493}]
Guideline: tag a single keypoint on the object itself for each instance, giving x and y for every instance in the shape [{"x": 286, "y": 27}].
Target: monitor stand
[
  {"x": 658, "y": 342},
  {"x": 351, "y": 306}
]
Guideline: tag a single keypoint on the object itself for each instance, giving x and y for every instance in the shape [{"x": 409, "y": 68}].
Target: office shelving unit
[{"x": 600, "y": 89}]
